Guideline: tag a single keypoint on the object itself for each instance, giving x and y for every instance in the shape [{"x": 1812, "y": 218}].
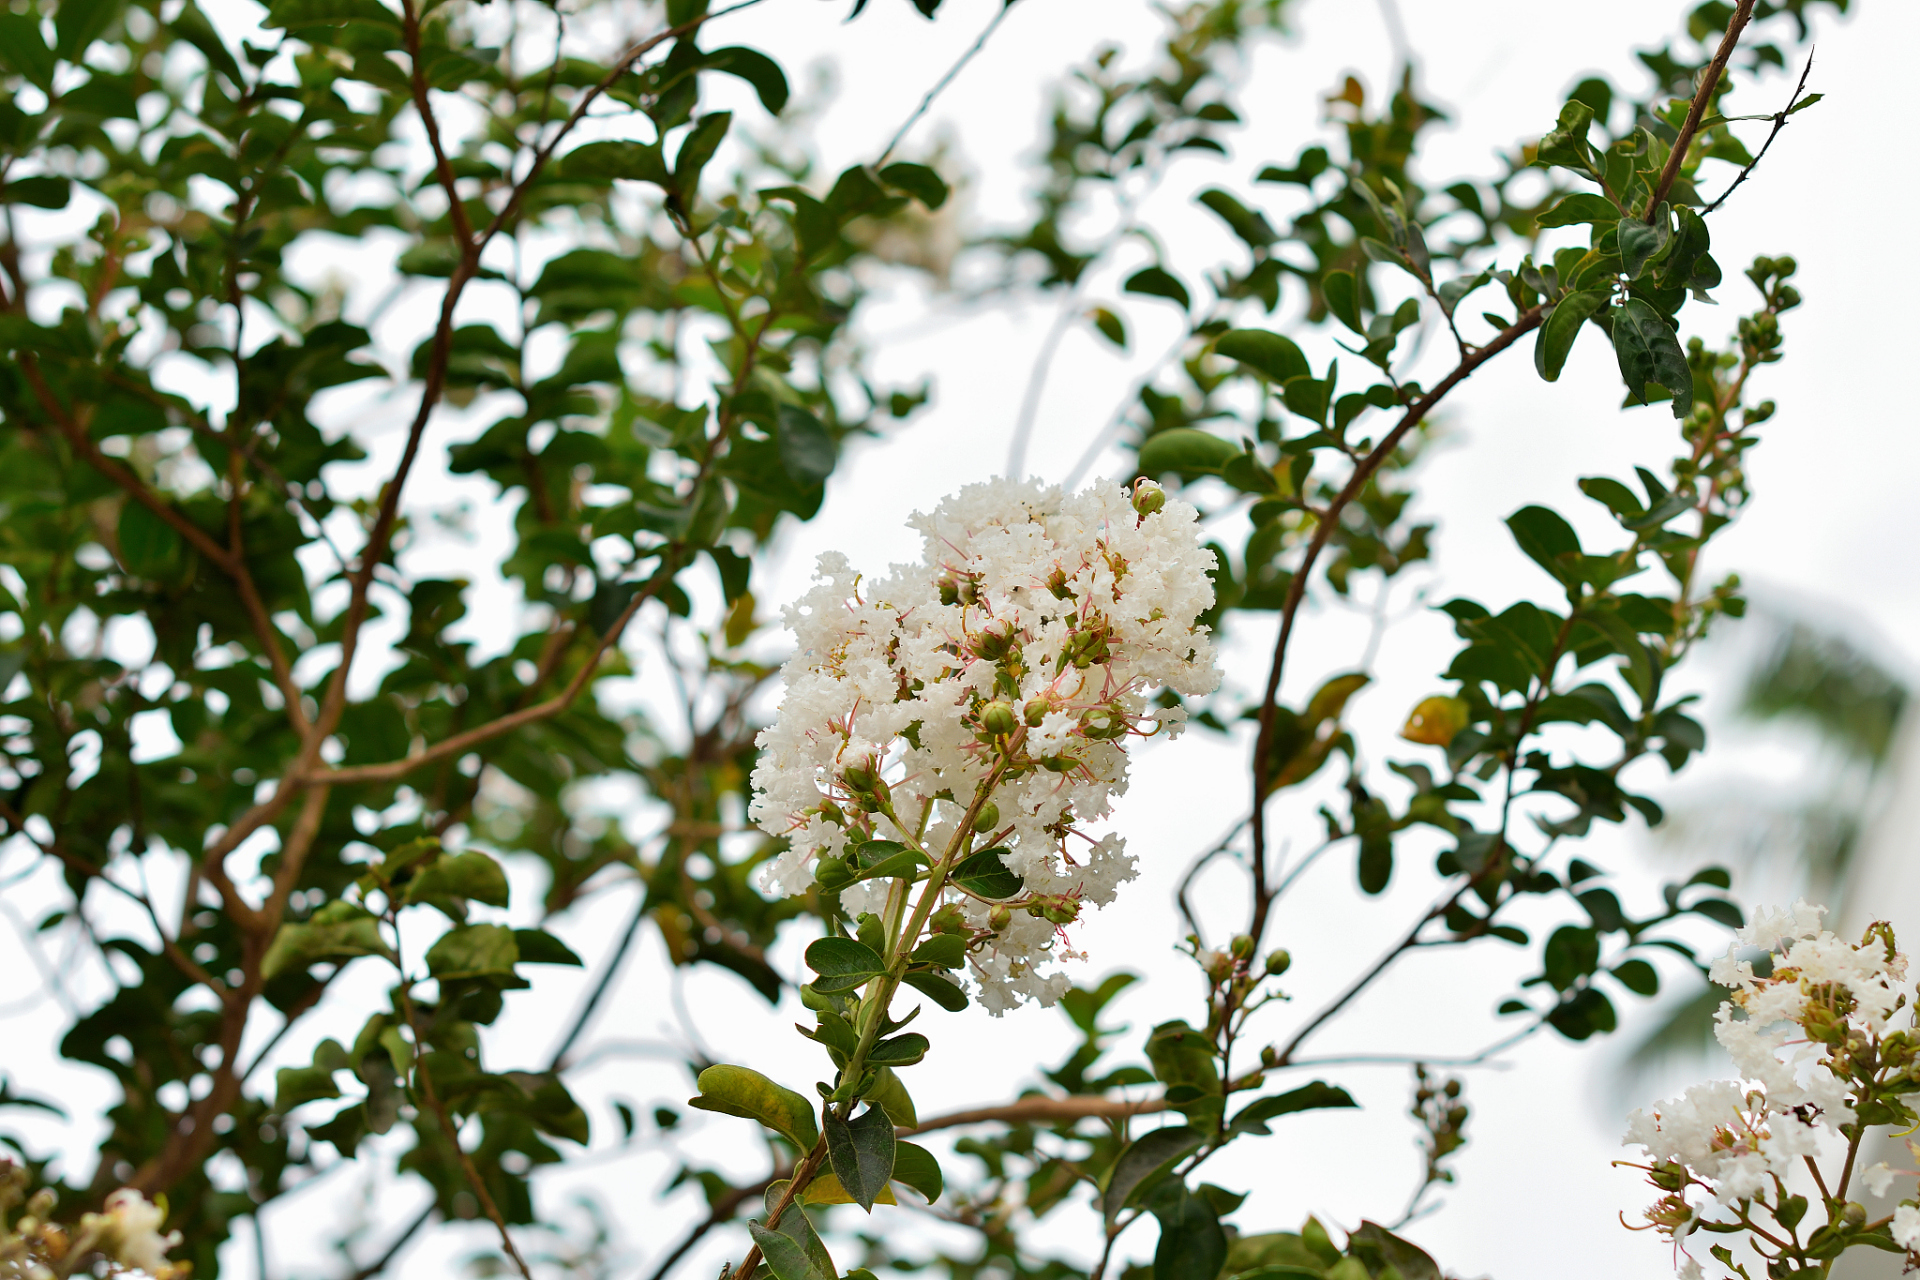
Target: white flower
[
  {"x": 1018, "y": 657},
  {"x": 1689, "y": 1270},
  {"x": 130, "y": 1231},
  {"x": 1906, "y": 1227},
  {"x": 1878, "y": 1178}
]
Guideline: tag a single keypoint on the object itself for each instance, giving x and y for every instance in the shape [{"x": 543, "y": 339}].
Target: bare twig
[
  {"x": 721, "y": 1211},
  {"x": 941, "y": 84},
  {"x": 1779, "y": 123}
]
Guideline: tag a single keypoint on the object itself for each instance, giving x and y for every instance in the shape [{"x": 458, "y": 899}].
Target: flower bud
[
  {"x": 1241, "y": 946},
  {"x": 999, "y": 918},
  {"x": 988, "y": 818},
  {"x": 1218, "y": 964},
  {"x": 1062, "y": 911},
  {"x": 949, "y": 919},
  {"x": 1269, "y": 1057},
  {"x": 1854, "y": 1215},
  {"x": 1057, "y": 584},
  {"x": 993, "y": 645},
  {"x": 1058, "y": 764},
  {"x": 860, "y": 777},
  {"x": 1148, "y": 497},
  {"x": 997, "y": 718},
  {"x": 1278, "y": 962},
  {"x": 831, "y": 874},
  {"x": 1036, "y": 710},
  {"x": 1103, "y": 723}
]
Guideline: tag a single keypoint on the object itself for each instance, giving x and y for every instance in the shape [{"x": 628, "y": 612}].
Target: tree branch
[
  {"x": 721, "y": 1211},
  {"x": 1328, "y": 520},
  {"x": 1697, "y": 112}
]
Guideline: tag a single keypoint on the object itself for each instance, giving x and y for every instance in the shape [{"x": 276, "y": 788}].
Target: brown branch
[
  {"x": 1527, "y": 321},
  {"x": 1043, "y": 1110},
  {"x": 553, "y": 706},
  {"x": 1779, "y": 123},
  {"x": 443, "y": 169},
  {"x": 439, "y": 1109},
  {"x": 1697, "y": 112}
]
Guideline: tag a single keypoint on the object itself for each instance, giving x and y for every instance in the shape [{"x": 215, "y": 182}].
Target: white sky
[{"x": 1535, "y": 1192}]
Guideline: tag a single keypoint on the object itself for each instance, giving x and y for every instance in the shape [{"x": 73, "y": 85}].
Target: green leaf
[
  {"x": 900, "y": 1051},
  {"x": 474, "y": 951},
  {"x": 938, "y": 988},
  {"x": 793, "y": 1249},
  {"x": 78, "y": 23},
  {"x": 149, "y": 546},
  {"x": 41, "y": 193},
  {"x": 914, "y": 1166},
  {"x": 290, "y": 14},
  {"x": 1193, "y": 1246},
  {"x": 1561, "y": 327},
  {"x": 843, "y": 964},
  {"x": 698, "y": 148},
  {"x": 1582, "y": 207},
  {"x": 1639, "y": 243},
  {"x": 741, "y": 1091},
  {"x": 757, "y": 69},
  {"x": 1548, "y": 540},
  {"x": 1111, "y": 326},
  {"x": 1277, "y": 358},
  {"x": 629, "y": 161},
  {"x": 296, "y": 1085},
  {"x": 1638, "y": 977},
  {"x": 472, "y": 876},
  {"x": 1251, "y": 227},
  {"x": 1342, "y": 293},
  {"x": 1186, "y": 450},
  {"x": 861, "y": 1152},
  {"x": 22, "y": 48},
  {"x": 888, "y": 1093},
  {"x": 1144, "y": 1162},
  {"x": 1379, "y": 1249},
  {"x": 984, "y": 875},
  {"x": 1805, "y": 102},
  {"x": 918, "y": 181},
  {"x": 338, "y": 931},
  {"x": 806, "y": 450},
  {"x": 942, "y": 950},
  {"x": 537, "y": 946},
  {"x": 1649, "y": 351},
  {"x": 1159, "y": 283},
  {"x": 1315, "y": 1096}
]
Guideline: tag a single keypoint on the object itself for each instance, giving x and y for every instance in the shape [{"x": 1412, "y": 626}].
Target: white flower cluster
[
  {"x": 129, "y": 1232},
  {"x": 1786, "y": 1034},
  {"x": 1018, "y": 654}
]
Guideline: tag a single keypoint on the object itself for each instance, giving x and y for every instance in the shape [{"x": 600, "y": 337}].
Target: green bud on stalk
[
  {"x": 1148, "y": 497},
  {"x": 1036, "y": 710},
  {"x": 1242, "y": 947},
  {"x": 997, "y": 718},
  {"x": 999, "y": 918},
  {"x": 988, "y": 818},
  {"x": 949, "y": 919},
  {"x": 1278, "y": 962},
  {"x": 832, "y": 875}
]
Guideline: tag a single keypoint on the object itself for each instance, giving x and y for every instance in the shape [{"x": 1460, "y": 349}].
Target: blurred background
[{"x": 1811, "y": 785}]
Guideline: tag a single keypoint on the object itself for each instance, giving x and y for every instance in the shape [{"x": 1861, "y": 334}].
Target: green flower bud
[
  {"x": 949, "y": 919},
  {"x": 1148, "y": 497},
  {"x": 1269, "y": 1057},
  {"x": 831, "y": 874},
  {"x": 1854, "y": 1215},
  {"x": 1278, "y": 962},
  {"x": 1058, "y": 764},
  {"x": 1036, "y": 710},
  {"x": 988, "y": 818},
  {"x": 997, "y": 718},
  {"x": 1242, "y": 947},
  {"x": 999, "y": 918}
]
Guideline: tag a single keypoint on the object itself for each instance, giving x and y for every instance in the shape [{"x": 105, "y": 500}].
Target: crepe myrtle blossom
[
  {"x": 1814, "y": 1044},
  {"x": 1003, "y": 674}
]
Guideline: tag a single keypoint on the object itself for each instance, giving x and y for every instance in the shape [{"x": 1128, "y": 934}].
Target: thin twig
[
  {"x": 380, "y": 1264},
  {"x": 1779, "y": 123},
  {"x": 600, "y": 988},
  {"x": 940, "y": 86}
]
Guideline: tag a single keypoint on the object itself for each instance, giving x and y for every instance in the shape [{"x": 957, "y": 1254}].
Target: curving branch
[
  {"x": 1709, "y": 81},
  {"x": 1324, "y": 526}
]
